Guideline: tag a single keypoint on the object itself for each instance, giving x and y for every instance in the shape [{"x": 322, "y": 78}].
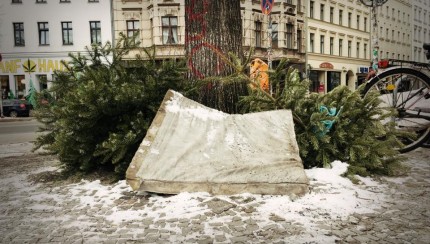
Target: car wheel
[{"x": 13, "y": 114}]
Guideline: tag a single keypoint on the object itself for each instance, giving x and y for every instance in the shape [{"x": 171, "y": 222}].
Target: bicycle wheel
[
  {"x": 408, "y": 92},
  {"x": 426, "y": 144}
]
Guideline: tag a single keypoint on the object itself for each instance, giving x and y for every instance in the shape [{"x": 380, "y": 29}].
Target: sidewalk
[{"x": 388, "y": 210}]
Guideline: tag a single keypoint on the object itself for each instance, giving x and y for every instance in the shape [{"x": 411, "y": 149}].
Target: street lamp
[{"x": 374, "y": 4}]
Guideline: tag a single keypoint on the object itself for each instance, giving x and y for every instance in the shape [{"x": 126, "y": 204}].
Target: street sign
[{"x": 266, "y": 6}]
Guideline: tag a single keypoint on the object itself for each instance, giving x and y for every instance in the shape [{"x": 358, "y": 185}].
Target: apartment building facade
[
  {"x": 161, "y": 24},
  {"x": 35, "y": 35},
  {"x": 395, "y": 25},
  {"x": 421, "y": 29},
  {"x": 338, "y": 44}
]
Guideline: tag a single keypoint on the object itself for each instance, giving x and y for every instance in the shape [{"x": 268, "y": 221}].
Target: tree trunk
[{"x": 213, "y": 28}]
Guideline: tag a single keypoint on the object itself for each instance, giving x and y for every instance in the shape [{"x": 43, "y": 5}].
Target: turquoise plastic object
[{"x": 328, "y": 124}]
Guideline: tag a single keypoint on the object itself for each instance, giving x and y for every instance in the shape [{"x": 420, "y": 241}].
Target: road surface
[{"x": 18, "y": 131}]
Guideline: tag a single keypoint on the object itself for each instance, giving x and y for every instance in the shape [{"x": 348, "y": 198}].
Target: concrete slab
[{"x": 193, "y": 148}]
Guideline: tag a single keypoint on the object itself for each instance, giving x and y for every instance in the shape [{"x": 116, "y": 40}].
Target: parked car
[{"x": 16, "y": 107}]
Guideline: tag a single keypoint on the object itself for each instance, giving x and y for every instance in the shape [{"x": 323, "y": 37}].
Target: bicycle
[{"x": 405, "y": 87}]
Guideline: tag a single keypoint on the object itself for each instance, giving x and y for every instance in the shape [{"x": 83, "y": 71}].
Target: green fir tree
[
  {"x": 353, "y": 133},
  {"x": 31, "y": 97},
  {"x": 97, "y": 112}
]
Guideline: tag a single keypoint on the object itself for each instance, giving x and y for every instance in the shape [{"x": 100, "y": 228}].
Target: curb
[{"x": 9, "y": 119}]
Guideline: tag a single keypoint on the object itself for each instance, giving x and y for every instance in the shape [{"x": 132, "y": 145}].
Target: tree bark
[{"x": 213, "y": 28}]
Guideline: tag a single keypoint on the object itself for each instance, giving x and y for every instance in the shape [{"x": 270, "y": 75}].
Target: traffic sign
[{"x": 266, "y": 6}]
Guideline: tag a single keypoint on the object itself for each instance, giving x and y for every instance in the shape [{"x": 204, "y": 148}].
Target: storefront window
[
  {"x": 43, "y": 82},
  {"x": 333, "y": 80},
  {"x": 19, "y": 86},
  {"x": 4, "y": 79},
  {"x": 314, "y": 84}
]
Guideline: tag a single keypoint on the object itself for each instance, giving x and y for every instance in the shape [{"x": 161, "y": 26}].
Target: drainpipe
[
  {"x": 112, "y": 20},
  {"x": 307, "y": 70}
]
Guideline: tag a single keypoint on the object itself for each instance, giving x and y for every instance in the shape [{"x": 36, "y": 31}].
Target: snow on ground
[{"x": 332, "y": 197}]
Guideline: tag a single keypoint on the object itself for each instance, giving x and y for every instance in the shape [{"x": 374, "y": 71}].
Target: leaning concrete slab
[{"x": 193, "y": 148}]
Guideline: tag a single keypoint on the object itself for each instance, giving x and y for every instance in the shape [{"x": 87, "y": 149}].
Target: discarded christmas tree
[
  {"x": 103, "y": 106},
  {"x": 339, "y": 125}
]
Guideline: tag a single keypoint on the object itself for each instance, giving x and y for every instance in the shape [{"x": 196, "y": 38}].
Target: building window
[
  {"x": 340, "y": 16},
  {"x": 312, "y": 42},
  {"x": 43, "y": 33},
  {"x": 365, "y": 24},
  {"x": 67, "y": 30},
  {"x": 331, "y": 45},
  {"x": 257, "y": 33},
  {"x": 358, "y": 50},
  {"x": 365, "y": 51},
  {"x": 16, "y": 1},
  {"x": 340, "y": 47},
  {"x": 331, "y": 14},
  {"x": 133, "y": 27},
  {"x": 349, "y": 48},
  {"x": 40, "y": 1},
  {"x": 93, "y": 1},
  {"x": 275, "y": 35},
  {"x": 18, "y": 33},
  {"x": 311, "y": 9},
  {"x": 349, "y": 19},
  {"x": 322, "y": 44},
  {"x": 64, "y": 1},
  {"x": 95, "y": 32},
  {"x": 170, "y": 29},
  {"x": 289, "y": 35},
  {"x": 358, "y": 22},
  {"x": 322, "y": 12}
]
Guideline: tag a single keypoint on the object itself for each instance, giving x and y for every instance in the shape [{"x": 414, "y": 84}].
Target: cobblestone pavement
[{"x": 47, "y": 213}]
